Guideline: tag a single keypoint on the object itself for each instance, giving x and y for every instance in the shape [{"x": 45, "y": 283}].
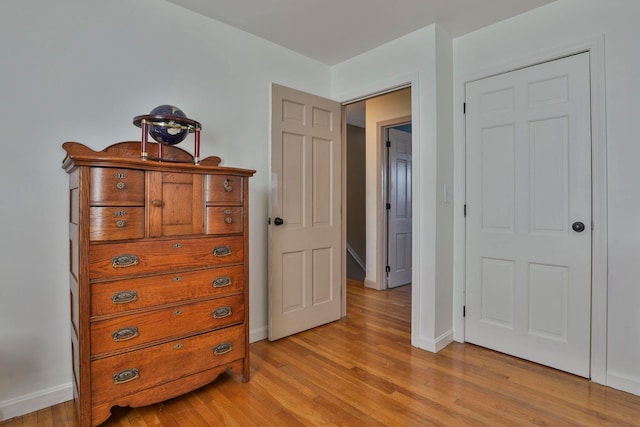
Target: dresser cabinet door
[{"x": 176, "y": 205}]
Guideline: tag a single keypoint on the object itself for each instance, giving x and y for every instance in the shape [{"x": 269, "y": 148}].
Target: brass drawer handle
[
  {"x": 121, "y": 185},
  {"x": 121, "y": 223},
  {"x": 223, "y": 348},
  {"x": 178, "y": 346},
  {"x": 220, "y": 251},
  {"x": 227, "y": 186},
  {"x": 228, "y": 220},
  {"x": 126, "y": 376},
  {"x": 124, "y": 297},
  {"x": 125, "y": 334},
  {"x": 221, "y": 312},
  {"x": 123, "y": 261},
  {"x": 228, "y": 211},
  {"x": 221, "y": 282}
]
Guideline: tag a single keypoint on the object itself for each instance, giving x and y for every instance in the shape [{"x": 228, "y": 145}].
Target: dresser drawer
[
  {"x": 223, "y": 188},
  {"x": 224, "y": 220},
  {"x": 111, "y": 260},
  {"x": 113, "y": 186},
  {"x": 143, "y": 328},
  {"x": 116, "y": 223},
  {"x": 131, "y": 294},
  {"x": 115, "y": 377}
]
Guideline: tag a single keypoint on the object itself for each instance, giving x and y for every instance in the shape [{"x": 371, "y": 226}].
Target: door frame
[
  {"x": 382, "y": 228},
  {"x": 595, "y": 47}
]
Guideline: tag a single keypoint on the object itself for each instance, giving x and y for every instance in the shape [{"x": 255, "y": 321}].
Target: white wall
[
  {"x": 412, "y": 59},
  {"x": 81, "y": 70},
  {"x": 549, "y": 28}
]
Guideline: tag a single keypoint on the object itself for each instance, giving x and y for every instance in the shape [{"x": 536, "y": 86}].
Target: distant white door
[
  {"x": 305, "y": 231},
  {"x": 399, "y": 208},
  {"x": 528, "y": 156}
]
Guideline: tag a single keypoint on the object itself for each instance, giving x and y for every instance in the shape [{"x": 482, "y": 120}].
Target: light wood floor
[{"x": 362, "y": 371}]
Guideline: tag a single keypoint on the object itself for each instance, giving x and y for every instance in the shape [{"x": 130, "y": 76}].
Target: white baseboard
[
  {"x": 371, "y": 284},
  {"x": 434, "y": 345},
  {"x": 35, "y": 401},
  {"x": 630, "y": 385},
  {"x": 258, "y": 334}
]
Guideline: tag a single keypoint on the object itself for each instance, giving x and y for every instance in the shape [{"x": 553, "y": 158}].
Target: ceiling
[{"x": 331, "y": 31}]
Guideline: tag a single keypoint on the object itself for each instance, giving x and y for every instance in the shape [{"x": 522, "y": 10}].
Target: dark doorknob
[
  {"x": 578, "y": 227},
  {"x": 278, "y": 221}
]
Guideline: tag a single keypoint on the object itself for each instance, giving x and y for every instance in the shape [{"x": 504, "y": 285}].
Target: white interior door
[
  {"x": 528, "y": 157},
  {"x": 399, "y": 208},
  {"x": 305, "y": 227}
]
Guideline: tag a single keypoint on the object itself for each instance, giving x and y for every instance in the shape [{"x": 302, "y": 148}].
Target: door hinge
[
  {"x": 388, "y": 269},
  {"x": 464, "y": 108},
  {"x": 464, "y": 311},
  {"x": 388, "y": 206},
  {"x": 465, "y": 211},
  {"x": 388, "y": 144}
]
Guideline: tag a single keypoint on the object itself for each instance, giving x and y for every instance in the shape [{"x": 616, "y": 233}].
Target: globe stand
[{"x": 173, "y": 122}]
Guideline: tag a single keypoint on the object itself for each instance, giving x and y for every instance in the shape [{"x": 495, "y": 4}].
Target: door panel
[
  {"x": 528, "y": 288},
  {"x": 306, "y": 266}
]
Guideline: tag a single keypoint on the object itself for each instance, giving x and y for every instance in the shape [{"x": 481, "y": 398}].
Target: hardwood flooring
[{"x": 362, "y": 371}]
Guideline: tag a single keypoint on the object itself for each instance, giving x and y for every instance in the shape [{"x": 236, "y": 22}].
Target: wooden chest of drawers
[{"x": 158, "y": 275}]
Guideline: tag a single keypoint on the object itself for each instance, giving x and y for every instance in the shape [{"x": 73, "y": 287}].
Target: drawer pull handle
[
  {"x": 228, "y": 220},
  {"x": 178, "y": 346},
  {"x": 121, "y": 185},
  {"x": 119, "y": 213},
  {"x": 221, "y": 312},
  {"x": 177, "y": 312},
  {"x": 228, "y": 211},
  {"x": 227, "y": 186},
  {"x": 220, "y": 251},
  {"x": 124, "y": 297},
  {"x": 221, "y": 282},
  {"x": 125, "y": 334},
  {"x": 126, "y": 376},
  {"x": 223, "y": 348},
  {"x": 121, "y": 223},
  {"x": 123, "y": 261},
  {"x": 120, "y": 175}
]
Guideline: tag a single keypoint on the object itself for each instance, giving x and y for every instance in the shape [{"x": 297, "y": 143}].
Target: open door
[
  {"x": 398, "y": 207},
  {"x": 305, "y": 213}
]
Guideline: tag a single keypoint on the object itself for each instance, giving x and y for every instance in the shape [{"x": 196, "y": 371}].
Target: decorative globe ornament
[
  {"x": 171, "y": 131},
  {"x": 167, "y": 125}
]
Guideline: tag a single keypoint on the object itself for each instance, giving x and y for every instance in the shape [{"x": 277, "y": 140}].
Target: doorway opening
[{"x": 369, "y": 190}]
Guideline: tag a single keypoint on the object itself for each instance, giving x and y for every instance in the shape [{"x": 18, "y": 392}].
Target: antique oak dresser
[{"x": 158, "y": 275}]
